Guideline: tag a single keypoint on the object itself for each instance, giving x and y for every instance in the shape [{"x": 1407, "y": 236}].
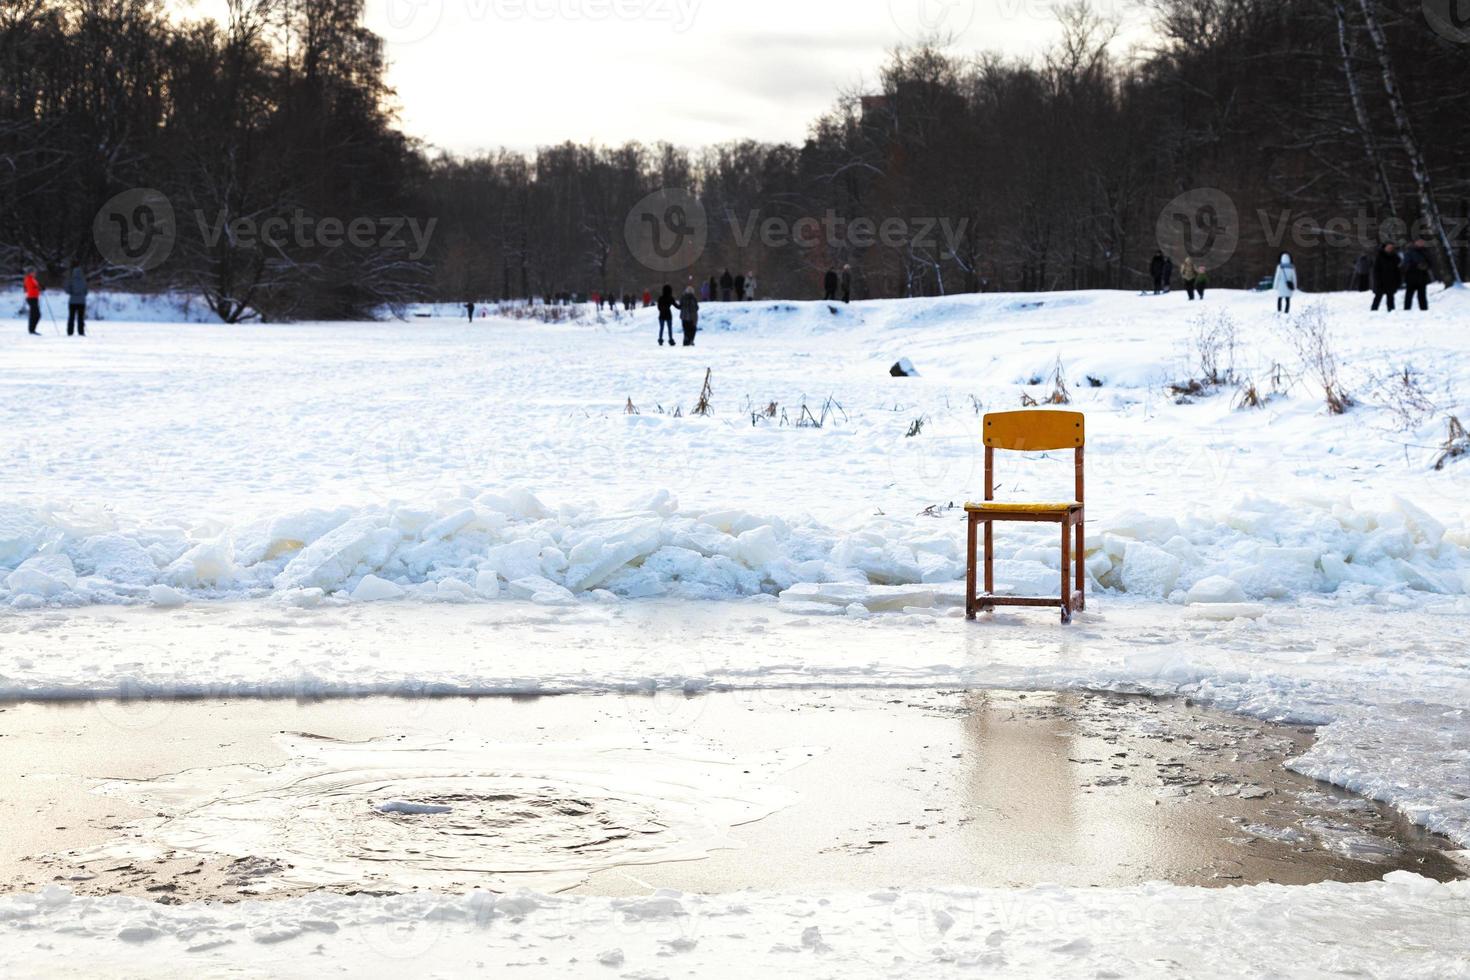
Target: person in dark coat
[
  {"x": 727, "y": 287},
  {"x": 1363, "y": 273},
  {"x": 714, "y": 289},
  {"x": 1156, "y": 271},
  {"x": 666, "y": 307},
  {"x": 76, "y": 302},
  {"x": 1168, "y": 274},
  {"x": 689, "y": 315},
  {"x": 829, "y": 285},
  {"x": 1417, "y": 273},
  {"x": 740, "y": 288},
  {"x": 1388, "y": 276},
  {"x": 847, "y": 284}
]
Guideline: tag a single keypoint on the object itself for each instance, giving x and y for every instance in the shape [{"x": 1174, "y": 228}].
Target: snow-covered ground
[{"x": 490, "y": 478}]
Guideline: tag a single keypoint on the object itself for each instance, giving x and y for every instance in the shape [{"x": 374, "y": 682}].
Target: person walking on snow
[
  {"x": 1388, "y": 276},
  {"x": 829, "y": 285},
  {"x": 1187, "y": 275},
  {"x": 666, "y": 307},
  {"x": 1156, "y": 272},
  {"x": 847, "y": 284},
  {"x": 1286, "y": 283},
  {"x": 1168, "y": 274},
  {"x": 727, "y": 287},
  {"x": 33, "y": 301},
  {"x": 1417, "y": 273},
  {"x": 689, "y": 315},
  {"x": 1363, "y": 273},
  {"x": 76, "y": 303},
  {"x": 739, "y": 287},
  {"x": 750, "y": 287}
]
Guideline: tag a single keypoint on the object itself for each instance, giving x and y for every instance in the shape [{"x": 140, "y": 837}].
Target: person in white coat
[
  {"x": 750, "y": 287},
  {"x": 1285, "y": 283}
]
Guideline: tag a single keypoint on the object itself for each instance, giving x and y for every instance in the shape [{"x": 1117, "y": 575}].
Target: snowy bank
[
  {"x": 513, "y": 545},
  {"x": 1404, "y": 926}
]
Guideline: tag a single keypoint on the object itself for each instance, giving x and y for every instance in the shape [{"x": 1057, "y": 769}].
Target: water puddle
[{"x": 623, "y": 795}]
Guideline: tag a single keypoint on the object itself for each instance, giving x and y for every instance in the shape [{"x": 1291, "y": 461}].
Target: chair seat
[{"x": 999, "y": 506}]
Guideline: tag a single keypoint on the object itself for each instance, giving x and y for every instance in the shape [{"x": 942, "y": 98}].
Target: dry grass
[
  {"x": 1456, "y": 444},
  {"x": 1311, "y": 335}
]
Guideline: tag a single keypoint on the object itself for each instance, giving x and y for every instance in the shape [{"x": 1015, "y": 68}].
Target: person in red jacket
[{"x": 33, "y": 300}]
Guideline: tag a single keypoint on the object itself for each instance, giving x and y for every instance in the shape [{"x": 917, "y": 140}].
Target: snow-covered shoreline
[{"x": 1405, "y": 926}]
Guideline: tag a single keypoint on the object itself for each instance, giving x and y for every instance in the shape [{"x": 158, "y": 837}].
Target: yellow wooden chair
[{"x": 1036, "y": 431}]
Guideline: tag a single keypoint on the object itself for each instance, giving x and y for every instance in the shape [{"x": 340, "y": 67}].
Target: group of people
[
  {"x": 1193, "y": 274},
  {"x": 831, "y": 282},
  {"x": 1391, "y": 270},
  {"x": 727, "y": 288},
  {"x": 76, "y": 289}
]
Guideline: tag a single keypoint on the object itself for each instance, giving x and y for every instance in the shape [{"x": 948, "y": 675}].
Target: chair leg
[
  {"x": 1066, "y": 573},
  {"x": 1081, "y": 586},
  {"x": 989, "y": 558},
  {"x": 970, "y": 561}
]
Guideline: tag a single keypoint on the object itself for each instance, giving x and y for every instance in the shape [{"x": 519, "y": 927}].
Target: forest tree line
[{"x": 1327, "y": 124}]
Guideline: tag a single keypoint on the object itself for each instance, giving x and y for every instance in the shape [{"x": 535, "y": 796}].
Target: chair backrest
[{"x": 1035, "y": 431}]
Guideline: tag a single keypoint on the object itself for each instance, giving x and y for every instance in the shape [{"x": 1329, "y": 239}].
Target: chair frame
[{"x": 1073, "y": 594}]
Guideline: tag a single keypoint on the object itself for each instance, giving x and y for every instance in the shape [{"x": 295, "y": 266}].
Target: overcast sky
[{"x": 478, "y": 74}]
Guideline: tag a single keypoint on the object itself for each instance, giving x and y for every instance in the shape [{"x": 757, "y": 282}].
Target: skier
[
  {"x": 1285, "y": 283},
  {"x": 750, "y": 287},
  {"x": 689, "y": 315},
  {"x": 1363, "y": 273},
  {"x": 1388, "y": 276},
  {"x": 76, "y": 303},
  {"x": 33, "y": 301},
  {"x": 1156, "y": 271},
  {"x": 829, "y": 284},
  {"x": 727, "y": 287},
  {"x": 1189, "y": 274},
  {"x": 740, "y": 287},
  {"x": 847, "y": 284},
  {"x": 1416, "y": 276},
  {"x": 666, "y": 307}
]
